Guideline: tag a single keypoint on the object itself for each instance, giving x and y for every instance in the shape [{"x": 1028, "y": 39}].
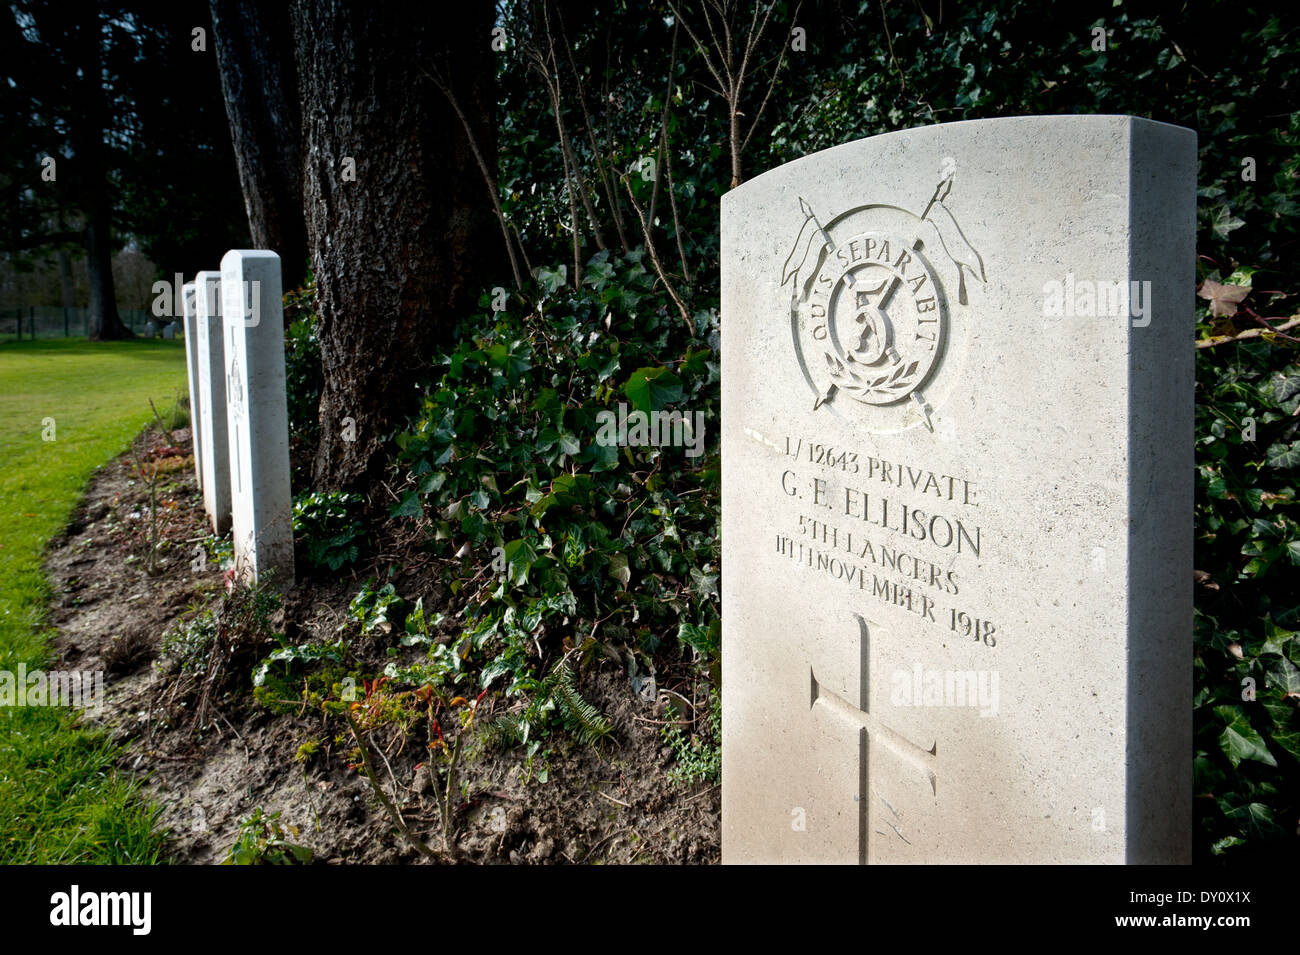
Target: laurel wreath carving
[{"x": 897, "y": 381}]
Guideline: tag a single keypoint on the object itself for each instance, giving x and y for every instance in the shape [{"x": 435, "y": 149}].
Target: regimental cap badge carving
[{"x": 870, "y": 307}]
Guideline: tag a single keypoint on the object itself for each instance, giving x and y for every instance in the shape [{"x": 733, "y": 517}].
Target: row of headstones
[{"x": 234, "y": 345}]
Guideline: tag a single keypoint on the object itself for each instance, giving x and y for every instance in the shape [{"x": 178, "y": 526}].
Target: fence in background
[{"x": 55, "y": 321}]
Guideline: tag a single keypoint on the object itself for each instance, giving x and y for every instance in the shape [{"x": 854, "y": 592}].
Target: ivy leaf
[
  {"x": 599, "y": 272},
  {"x": 1283, "y": 734},
  {"x": 706, "y": 585},
  {"x": 703, "y": 639},
  {"x": 651, "y": 389},
  {"x": 619, "y": 570},
  {"x": 1280, "y": 641},
  {"x": 1256, "y": 818},
  {"x": 551, "y": 279},
  {"x": 1223, "y": 299},
  {"x": 569, "y": 444},
  {"x": 1240, "y": 740},
  {"x": 1285, "y": 387},
  {"x": 1284, "y": 456},
  {"x": 1282, "y": 673},
  {"x": 1227, "y": 842},
  {"x": 520, "y": 556},
  {"x": 410, "y": 506},
  {"x": 1224, "y": 222},
  {"x": 603, "y": 457}
]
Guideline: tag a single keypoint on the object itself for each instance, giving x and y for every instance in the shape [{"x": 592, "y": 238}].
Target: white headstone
[
  {"x": 257, "y": 416},
  {"x": 211, "y": 349},
  {"x": 192, "y": 364},
  {"x": 957, "y": 497}
]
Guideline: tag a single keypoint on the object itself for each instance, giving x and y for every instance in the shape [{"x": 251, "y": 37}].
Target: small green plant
[
  {"x": 299, "y": 675},
  {"x": 376, "y": 609},
  {"x": 556, "y": 697},
  {"x": 327, "y": 527},
  {"x": 187, "y": 646},
  {"x": 178, "y": 416},
  {"x": 699, "y": 759},
  {"x": 307, "y": 751},
  {"x": 221, "y": 551},
  {"x": 262, "y": 842},
  {"x": 211, "y": 654}
]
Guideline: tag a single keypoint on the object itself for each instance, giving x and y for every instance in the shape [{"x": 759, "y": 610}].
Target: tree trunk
[
  {"x": 67, "y": 284},
  {"x": 404, "y": 249},
  {"x": 254, "y": 48},
  {"x": 91, "y": 160},
  {"x": 105, "y": 323}
]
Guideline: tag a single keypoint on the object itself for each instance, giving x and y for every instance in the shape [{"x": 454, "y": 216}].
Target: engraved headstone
[
  {"x": 257, "y": 416},
  {"x": 192, "y": 365},
  {"x": 957, "y": 374},
  {"x": 212, "y": 399}
]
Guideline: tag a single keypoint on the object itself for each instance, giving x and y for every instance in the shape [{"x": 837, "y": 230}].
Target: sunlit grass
[{"x": 60, "y": 798}]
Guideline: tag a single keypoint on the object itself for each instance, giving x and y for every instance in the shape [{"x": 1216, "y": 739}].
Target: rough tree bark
[
  {"x": 408, "y": 244},
  {"x": 254, "y": 48}
]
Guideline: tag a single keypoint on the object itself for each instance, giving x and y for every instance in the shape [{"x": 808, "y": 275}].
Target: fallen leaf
[{"x": 1223, "y": 299}]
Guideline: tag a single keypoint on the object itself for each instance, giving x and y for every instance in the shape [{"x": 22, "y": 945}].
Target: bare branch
[
  {"x": 488, "y": 176},
  {"x": 780, "y": 62},
  {"x": 1249, "y": 333},
  {"x": 699, "y": 44},
  {"x": 654, "y": 258}
]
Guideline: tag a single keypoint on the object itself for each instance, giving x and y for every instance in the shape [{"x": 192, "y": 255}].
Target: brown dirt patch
[{"x": 612, "y": 804}]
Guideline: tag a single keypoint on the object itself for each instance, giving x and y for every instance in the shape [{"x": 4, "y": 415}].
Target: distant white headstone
[
  {"x": 211, "y": 350},
  {"x": 192, "y": 363},
  {"x": 957, "y": 405},
  {"x": 257, "y": 415}
]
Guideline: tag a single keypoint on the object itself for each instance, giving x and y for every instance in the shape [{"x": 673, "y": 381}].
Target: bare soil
[{"x": 208, "y": 770}]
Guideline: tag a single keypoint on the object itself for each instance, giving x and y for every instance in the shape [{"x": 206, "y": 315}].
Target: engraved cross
[{"x": 857, "y": 713}]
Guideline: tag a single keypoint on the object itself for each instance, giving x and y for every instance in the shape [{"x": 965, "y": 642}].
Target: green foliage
[
  {"x": 291, "y": 654},
  {"x": 1247, "y": 730},
  {"x": 211, "y": 651},
  {"x": 504, "y": 468},
  {"x": 924, "y": 63},
  {"x": 307, "y": 751},
  {"x": 578, "y": 716},
  {"x": 188, "y": 645},
  {"x": 304, "y": 377},
  {"x": 176, "y": 416},
  {"x": 220, "y": 550},
  {"x": 555, "y": 697},
  {"x": 378, "y": 609},
  {"x": 699, "y": 758},
  {"x": 327, "y": 524},
  {"x": 262, "y": 842}
]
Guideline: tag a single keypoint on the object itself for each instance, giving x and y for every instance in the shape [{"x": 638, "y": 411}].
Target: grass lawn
[{"x": 60, "y": 799}]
